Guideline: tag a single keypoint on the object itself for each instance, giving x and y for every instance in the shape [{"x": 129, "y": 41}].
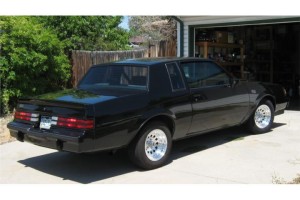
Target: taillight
[
  {"x": 33, "y": 117},
  {"x": 72, "y": 122}
]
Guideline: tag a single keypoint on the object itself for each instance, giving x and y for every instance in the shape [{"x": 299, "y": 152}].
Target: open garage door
[{"x": 267, "y": 51}]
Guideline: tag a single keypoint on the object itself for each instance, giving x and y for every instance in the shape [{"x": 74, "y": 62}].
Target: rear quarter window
[{"x": 175, "y": 76}]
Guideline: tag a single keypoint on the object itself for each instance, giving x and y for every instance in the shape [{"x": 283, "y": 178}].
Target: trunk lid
[
  {"x": 71, "y": 103},
  {"x": 65, "y": 103},
  {"x": 66, "y": 109}
]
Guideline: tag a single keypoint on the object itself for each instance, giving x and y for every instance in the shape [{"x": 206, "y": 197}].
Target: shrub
[{"x": 32, "y": 60}]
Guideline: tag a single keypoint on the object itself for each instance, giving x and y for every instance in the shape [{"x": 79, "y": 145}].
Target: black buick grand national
[{"x": 145, "y": 104}]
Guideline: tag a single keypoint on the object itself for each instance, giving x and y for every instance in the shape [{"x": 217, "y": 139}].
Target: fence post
[{"x": 149, "y": 49}]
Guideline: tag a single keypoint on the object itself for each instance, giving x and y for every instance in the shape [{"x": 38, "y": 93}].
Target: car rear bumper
[{"x": 25, "y": 132}]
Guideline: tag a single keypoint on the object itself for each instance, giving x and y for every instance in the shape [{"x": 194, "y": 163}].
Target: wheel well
[
  {"x": 271, "y": 99},
  {"x": 168, "y": 121}
]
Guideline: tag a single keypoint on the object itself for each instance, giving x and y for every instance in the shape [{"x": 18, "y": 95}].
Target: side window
[
  {"x": 175, "y": 76},
  {"x": 203, "y": 74}
]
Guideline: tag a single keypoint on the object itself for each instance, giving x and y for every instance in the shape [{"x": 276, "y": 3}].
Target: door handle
[{"x": 198, "y": 97}]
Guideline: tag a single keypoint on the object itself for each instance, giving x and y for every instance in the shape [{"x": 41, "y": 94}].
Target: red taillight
[
  {"x": 74, "y": 122},
  {"x": 26, "y": 116}
]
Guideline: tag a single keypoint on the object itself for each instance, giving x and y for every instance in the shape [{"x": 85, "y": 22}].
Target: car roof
[{"x": 154, "y": 61}]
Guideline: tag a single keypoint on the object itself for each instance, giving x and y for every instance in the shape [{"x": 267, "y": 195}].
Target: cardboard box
[
  {"x": 230, "y": 38},
  {"x": 221, "y": 36}
]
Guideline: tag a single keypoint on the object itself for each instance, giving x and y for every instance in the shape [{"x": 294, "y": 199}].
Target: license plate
[{"x": 45, "y": 122}]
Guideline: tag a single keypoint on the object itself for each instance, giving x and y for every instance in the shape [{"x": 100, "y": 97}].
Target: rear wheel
[
  {"x": 152, "y": 147},
  {"x": 262, "y": 119}
]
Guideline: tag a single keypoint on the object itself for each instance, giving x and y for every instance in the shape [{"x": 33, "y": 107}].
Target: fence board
[{"x": 83, "y": 60}]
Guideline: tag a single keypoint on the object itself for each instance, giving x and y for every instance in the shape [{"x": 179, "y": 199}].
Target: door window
[{"x": 203, "y": 74}]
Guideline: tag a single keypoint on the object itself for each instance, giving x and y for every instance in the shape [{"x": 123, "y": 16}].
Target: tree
[
  {"x": 88, "y": 32},
  {"x": 34, "y": 50},
  {"x": 154, "y": 27},
  {"x": 32, "y": 60}
]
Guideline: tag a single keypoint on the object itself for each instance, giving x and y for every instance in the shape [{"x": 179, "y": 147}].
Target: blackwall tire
[{"x": 152, "y": 146}]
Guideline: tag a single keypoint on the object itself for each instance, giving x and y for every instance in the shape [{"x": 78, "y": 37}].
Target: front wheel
[
  {"x": 262, "y": 119},
  {"x": 152, "y": 147}
]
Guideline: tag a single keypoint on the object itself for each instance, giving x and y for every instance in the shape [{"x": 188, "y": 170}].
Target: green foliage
[
  {"x": 32, "y": 60},
  {"x": 34, "y": 51},
  {"x": 88, "y": 32}
]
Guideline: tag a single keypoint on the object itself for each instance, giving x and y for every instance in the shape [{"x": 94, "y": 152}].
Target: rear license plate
[{"x": 45, "y": 122}]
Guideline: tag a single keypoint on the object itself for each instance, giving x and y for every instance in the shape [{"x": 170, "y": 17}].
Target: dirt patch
[
  {"x": 278, "y": 180},
  {"x": 4, "y": 132}
]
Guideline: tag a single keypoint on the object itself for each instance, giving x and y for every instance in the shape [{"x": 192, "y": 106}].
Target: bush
[
  {"x": 32, "y": 60},
  {"x": 99, "y": 33}
]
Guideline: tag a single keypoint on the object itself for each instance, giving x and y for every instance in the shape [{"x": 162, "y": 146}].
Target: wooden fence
[
  {"x": 83, "y": 60},
  {"x": 162, "y": 49}
]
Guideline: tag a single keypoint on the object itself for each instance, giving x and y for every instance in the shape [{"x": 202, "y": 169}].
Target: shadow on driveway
[
  {"x": 88, "y": 168},
  {"x": 81, "y": 168}
]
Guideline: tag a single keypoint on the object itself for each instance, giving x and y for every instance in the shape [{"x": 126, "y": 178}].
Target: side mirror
[{"x": 234, "y": 81}]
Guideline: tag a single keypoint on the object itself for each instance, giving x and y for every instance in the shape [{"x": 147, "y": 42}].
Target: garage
[{"x": 255, "y": 48}]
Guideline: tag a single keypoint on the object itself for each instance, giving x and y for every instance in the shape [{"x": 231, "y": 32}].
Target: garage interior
[{"x": 268, "y": 53}]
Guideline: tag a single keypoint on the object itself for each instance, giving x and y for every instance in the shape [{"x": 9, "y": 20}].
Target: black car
[{"x": 145, "y": 104}]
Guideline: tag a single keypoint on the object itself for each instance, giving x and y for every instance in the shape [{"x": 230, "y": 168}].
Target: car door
[{"x": 216, "y": 101}]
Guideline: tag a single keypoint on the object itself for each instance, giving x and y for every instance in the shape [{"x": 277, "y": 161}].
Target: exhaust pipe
[{"x": 59, "y": 145}]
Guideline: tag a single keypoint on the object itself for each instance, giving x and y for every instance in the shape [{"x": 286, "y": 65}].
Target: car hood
[{"x": 83, "y": 96}]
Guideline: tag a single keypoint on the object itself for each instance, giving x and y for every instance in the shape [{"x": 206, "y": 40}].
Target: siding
[{"x": 217, "y": 21}]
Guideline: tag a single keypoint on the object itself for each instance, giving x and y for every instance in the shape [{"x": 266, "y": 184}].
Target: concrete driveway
[{"x": 228, "y": 156}]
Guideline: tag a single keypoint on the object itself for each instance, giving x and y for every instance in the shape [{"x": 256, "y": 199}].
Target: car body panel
[{"x": 218, "y": 106}]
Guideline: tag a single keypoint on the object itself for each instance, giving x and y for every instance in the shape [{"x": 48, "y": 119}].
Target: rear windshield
[{"x": 128, "y": 77}]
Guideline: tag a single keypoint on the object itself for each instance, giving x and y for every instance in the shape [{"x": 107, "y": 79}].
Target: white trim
[
  {"x": 202, "y": 20},
  {"x": 185, "y": 41},
  {"x": 211, "y": 20},
  {"x": 178, "y": 40}
]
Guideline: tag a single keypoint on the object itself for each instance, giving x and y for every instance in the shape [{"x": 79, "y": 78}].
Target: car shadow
[
  {"x": 88, "y": 168},
  {"x": 206, "y": 141},
  {"x": 82, "y": 168}
]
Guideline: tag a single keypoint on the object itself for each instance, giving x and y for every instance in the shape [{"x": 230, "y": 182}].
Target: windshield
[{"x": 127, "y": 77}]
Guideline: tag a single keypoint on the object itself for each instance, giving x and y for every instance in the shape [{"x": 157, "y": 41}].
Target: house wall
[{"x": 221, "y": 21}]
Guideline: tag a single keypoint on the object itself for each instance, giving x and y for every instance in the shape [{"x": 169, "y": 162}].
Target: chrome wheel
[
  {"x": 262, "y": 116},
  {"x": 156, "y": 144}
]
